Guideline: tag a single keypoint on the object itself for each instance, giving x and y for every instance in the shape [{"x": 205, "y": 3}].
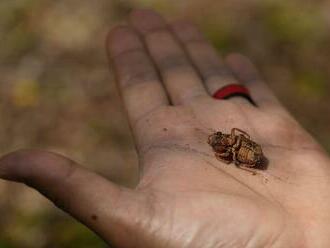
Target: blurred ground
[{"x": 56, "y": 92}]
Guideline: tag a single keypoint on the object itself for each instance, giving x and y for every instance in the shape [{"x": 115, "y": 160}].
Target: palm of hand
[
  {"x": 186, "y": 197},
  {"x": 189, "y": 188}
]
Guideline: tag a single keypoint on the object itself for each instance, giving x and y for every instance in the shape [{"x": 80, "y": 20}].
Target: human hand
[{"x": 186, "y": 197}]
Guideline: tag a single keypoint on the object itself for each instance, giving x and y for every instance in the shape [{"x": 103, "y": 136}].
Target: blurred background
[{"x": 56, "y": 91}]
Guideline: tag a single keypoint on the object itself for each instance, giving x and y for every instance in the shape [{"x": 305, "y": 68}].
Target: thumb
[{"x": 101, "y": 205}]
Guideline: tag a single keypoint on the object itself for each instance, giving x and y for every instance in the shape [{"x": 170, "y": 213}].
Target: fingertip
[
  {"x": 114, "y": 30},
  {"x": 236, "y": 59},
  {"x": 186, "y": 30},
  {"x": 5, "y": 166},
  {"x": 122, "y": 38},
  {"x": 21, "y": 164}
]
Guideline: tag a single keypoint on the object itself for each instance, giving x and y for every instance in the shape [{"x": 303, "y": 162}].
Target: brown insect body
[
  {"x": 249, "y": 152},
  {"x": 237, "y": 148}
]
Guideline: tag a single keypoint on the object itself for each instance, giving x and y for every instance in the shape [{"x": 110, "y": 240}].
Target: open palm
[{"x": 186, "y": 197}]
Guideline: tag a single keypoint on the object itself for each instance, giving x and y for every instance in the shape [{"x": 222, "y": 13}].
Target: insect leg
[
  {"x": 222, "y": 157},
  {"x": 236, "y": 161},
  {"x": 238, "y": 142},
  {"x": 239, "y": 130},
  {"x": 254, "y": 172}
]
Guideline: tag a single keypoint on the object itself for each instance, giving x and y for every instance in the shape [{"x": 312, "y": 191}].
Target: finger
[
  {"x": 103, "y": 206},
  {"x": 246, "y": 72},
  {"x": 211, "y": 67},
  {"x": 137, "y": 78},
  {"x": 181, "y": 80}
]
